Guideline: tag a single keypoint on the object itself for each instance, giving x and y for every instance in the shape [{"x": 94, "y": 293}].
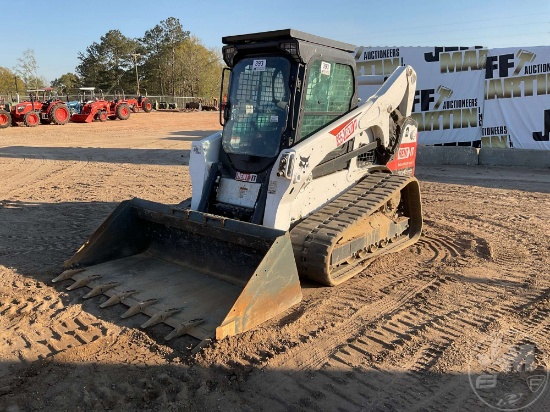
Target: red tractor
[
  {"x": 33, "y": 111},
  {"x": 26, "y": 112},
  {"x": 54, "y": 111},
  {"x": 141, "y": 103},
  {"x": 5, "y": 119},
  {"x": 100, "y": 109},
  {"x": 137, "y": 104}
]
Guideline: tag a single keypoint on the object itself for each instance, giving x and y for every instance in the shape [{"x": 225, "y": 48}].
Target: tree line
[{"x": 166, "y": 60}]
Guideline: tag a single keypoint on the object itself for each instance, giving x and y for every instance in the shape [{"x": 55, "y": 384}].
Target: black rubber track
[{"x": 314, "y": 238}]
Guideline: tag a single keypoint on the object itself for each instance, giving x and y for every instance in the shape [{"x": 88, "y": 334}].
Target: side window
[{"x": 328, "y": 95}]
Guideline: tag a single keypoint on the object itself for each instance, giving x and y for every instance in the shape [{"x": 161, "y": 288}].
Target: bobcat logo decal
[{"x": 304, "y": 162}]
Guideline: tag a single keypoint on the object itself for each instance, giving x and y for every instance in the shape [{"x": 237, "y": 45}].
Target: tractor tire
[
  {"x": 102, "y": 116},
  {"x": 5, "y": 119},
  {"x": 31, "y": 119},
  {"x": 146, "y": 105},
  {"x": 134, "y": 108},
  {"x": 60, "y": 114},
  {"x": 123, "y": 111}
]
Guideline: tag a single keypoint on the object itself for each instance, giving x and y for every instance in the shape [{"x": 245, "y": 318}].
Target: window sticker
[
  {"x": 325, "y": 68},
  {"x": 274, "y": 119},
  {"x": 259, "y": 65},
  {"x": 272, "y": 188}
]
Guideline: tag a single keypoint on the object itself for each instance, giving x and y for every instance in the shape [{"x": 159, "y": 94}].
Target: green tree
[
  {"x": 37, "y": 82},
  {"x": 198, "y": 69},
  {"x": 169, "y": 61},
  {"x": 174, "y": 36},
  {"x": 66, "y": 82},
  {"x": 151, "y": 67},
  {"x": 27, "y": 69},
  {"x": 8, "y": 81},
  {"x": 160, "y": 45},
  {"x": 106, "y": 64}
]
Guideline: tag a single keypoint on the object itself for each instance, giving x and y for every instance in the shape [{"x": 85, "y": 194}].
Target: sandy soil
[{"x": 399, "y": 336}]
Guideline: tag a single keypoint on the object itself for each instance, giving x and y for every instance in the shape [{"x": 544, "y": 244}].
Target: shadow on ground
[
  {"x": 164, "y": 157},
  {"x": 53, "y": 385},
  {"x": 512, "y": 178},
  {"x": 190, "y": 135}
]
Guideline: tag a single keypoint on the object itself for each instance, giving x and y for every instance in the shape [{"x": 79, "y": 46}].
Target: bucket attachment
[
  {"x": 203, "y": 275},
  {"x": 82, "y": 117}
]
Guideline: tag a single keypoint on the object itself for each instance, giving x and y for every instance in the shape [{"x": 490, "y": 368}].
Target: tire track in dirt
[
  {"x": 401, "y": 330},
  {"x": 316, "y": 327},
  {"x": 383, "y": 286},
  {"x": 31, "y": 168},
  {"x": 62, "y": 327},
  {"x": 49, "y": 174}
]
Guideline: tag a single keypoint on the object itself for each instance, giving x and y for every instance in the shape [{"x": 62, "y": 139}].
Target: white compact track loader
[{"x": 304, "y": 180}]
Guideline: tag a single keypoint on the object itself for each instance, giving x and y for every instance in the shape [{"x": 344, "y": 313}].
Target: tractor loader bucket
[
  {"x": 82, "y": 117},
  {"x": 203, "y": 275}
]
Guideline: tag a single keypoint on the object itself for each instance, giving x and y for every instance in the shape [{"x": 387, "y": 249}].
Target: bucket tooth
[
  {"x": 203, "y": 343},
  {"x": 160, "y": 317},
  {"x": 100, "y": 289},
  {"x": 137, "y": 308},
  {"x": 83, "y": 282},
  {"x": 67, "y": 274},
  {"x": 117, "y": 298},
  {"x": 234, "y": 275},
  {"x": 183, "y": 328}
]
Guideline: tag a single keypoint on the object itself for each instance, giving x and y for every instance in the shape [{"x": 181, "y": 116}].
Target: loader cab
[{"x": 284, "y": 86}]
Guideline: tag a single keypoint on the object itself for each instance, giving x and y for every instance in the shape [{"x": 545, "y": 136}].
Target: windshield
[{"x": 258, "y": 102}]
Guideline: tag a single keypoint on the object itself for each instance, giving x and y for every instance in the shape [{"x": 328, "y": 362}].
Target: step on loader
[{"x": 303, "y": 181}]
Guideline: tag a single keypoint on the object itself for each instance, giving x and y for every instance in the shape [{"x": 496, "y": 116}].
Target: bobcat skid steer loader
[{"x": 302, "y": 181}]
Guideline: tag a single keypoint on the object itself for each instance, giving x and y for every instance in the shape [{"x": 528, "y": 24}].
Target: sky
[{"x": 58, "y": 30}]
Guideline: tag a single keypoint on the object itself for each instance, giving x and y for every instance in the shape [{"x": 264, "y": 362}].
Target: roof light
[
  {"x": 229, "y": 53},
  {"x": 291, "y": 47}
]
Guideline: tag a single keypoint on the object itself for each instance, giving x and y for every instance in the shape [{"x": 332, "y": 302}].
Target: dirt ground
[{"x": 408, "y": 333}]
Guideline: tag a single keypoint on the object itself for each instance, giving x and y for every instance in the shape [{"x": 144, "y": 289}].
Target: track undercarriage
[{"x": 381, "y": 214}]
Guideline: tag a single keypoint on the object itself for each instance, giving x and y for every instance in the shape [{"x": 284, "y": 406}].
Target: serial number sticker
[
  {"x": 325, "y": 68},
  {"x": 274, "y": 118},
  {"x": 259, "y": 65},
  {"x": 272, "y": 188},
  {"x": 242, "y": 192}
]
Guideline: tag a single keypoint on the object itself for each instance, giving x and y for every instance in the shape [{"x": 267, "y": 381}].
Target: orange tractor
[
  {"x": 33, "y": 111},
  {"x": 101, "y": 109},
  {"x": 5, "y": 118},
  {"x": 139, "y": 103}
]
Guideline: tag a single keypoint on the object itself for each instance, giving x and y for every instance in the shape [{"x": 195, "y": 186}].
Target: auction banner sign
[
  {"x": 517, "y": 98},
  {"x": 449, "y": 94}
]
